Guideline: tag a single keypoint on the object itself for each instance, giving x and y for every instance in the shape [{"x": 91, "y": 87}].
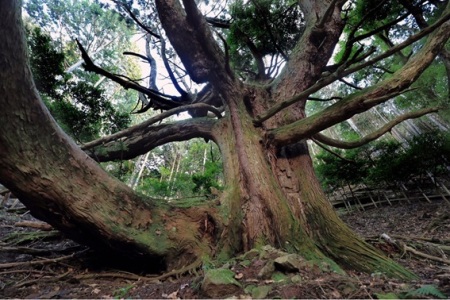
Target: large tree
[{"x": 271, "y": 196}]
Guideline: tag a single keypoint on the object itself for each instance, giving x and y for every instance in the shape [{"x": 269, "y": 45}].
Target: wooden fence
[{"x": 362, "y": 197}]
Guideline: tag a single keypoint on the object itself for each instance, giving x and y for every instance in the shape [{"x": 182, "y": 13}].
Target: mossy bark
[{"x": 273, "y": 197}]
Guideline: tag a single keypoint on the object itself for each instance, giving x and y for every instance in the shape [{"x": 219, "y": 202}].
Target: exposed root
[
  {"x": 37, "y": 262},
  {"x": 404, "y": 248},
  {"x": 191, "y": 269}
]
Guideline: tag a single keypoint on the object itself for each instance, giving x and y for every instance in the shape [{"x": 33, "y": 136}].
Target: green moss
[
  {"x": 279, "y": 277},
  {"x": 221, "y": 276},
  {"x": 189, "y": 202}
]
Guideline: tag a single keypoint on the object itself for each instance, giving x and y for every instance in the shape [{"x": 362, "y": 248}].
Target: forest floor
[{"x": 40, "y": 263}]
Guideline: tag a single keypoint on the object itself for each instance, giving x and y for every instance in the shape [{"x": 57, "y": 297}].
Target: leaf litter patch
[{"x": 38, "y": 262}]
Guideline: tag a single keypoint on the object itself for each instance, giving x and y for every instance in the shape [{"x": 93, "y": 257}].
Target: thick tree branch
[
  {"x": 312, "y": 51},
  {"x": 141, "y": 139},
  {"x": 327, "y": 15},
  {"x": 362, "y": 101},
  {"x": 145, "y": 125},
  {"x": 343, "y": 71},
  {"x": 203, "y": 59},
  {"x": 374, "y": 135}
]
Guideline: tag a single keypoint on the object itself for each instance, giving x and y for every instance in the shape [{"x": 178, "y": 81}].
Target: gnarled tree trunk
[{"x": 272, "y": 195}]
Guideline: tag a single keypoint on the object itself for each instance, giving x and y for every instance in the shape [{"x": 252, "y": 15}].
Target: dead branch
[
  {"x": 38, "y": 225},
  {"x": 51, "y": 279},
  {"x": 133, "y": 16},
  {"x": 36, "y": 262},
  {"x": 22, "y": 271},
  {"x": 174, "y": 81},
  {"x": 36, "y": 251},
  {"x": 163, "y": 101}
]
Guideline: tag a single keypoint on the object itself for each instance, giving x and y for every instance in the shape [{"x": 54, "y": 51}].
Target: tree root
[
  {"x": 191, "y": 269},
  {"x": 405, "y": 248},
  {"x": 36, "y": 251},
  {"x": 129, "y": 276},
  {"x": 37, "y": 262}
]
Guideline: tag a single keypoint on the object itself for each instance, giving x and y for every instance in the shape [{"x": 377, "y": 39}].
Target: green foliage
[
  {"x": 426, "y": 290},
  {"x": 386, "y": 162},
  {"x": 374, "y": 13},
  {"x": 264, "y": 27},
  {"x": 85, "y": 113},
  {"x": 80, "y": 108},
  {"x": 334, "y": 171},
  {"x": 122, "y": 292},
  {"x": 207, "y": 179},
  {"x": 185, "y": 170},
  {"x": 46, "y": 63}
]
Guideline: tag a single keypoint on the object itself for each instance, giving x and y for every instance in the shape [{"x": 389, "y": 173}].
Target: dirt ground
[{"x": 40, "y": 263}]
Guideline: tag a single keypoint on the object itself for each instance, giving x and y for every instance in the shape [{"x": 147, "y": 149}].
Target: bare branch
[
  {"x": 146, "y": 124},
  {"x": 133, "y": 16},
  {"x": 350, "y": 84},
  {"x": 137, "y": 55},
  {"x": 175, "y": 83},
  {"x": 218, "y": 23},
  {"x": 227, "y": 54},
  {"x": 163, "y": 101},
  {"x": 324, "y": 100},
  {"x": 374, "y": 135}
]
